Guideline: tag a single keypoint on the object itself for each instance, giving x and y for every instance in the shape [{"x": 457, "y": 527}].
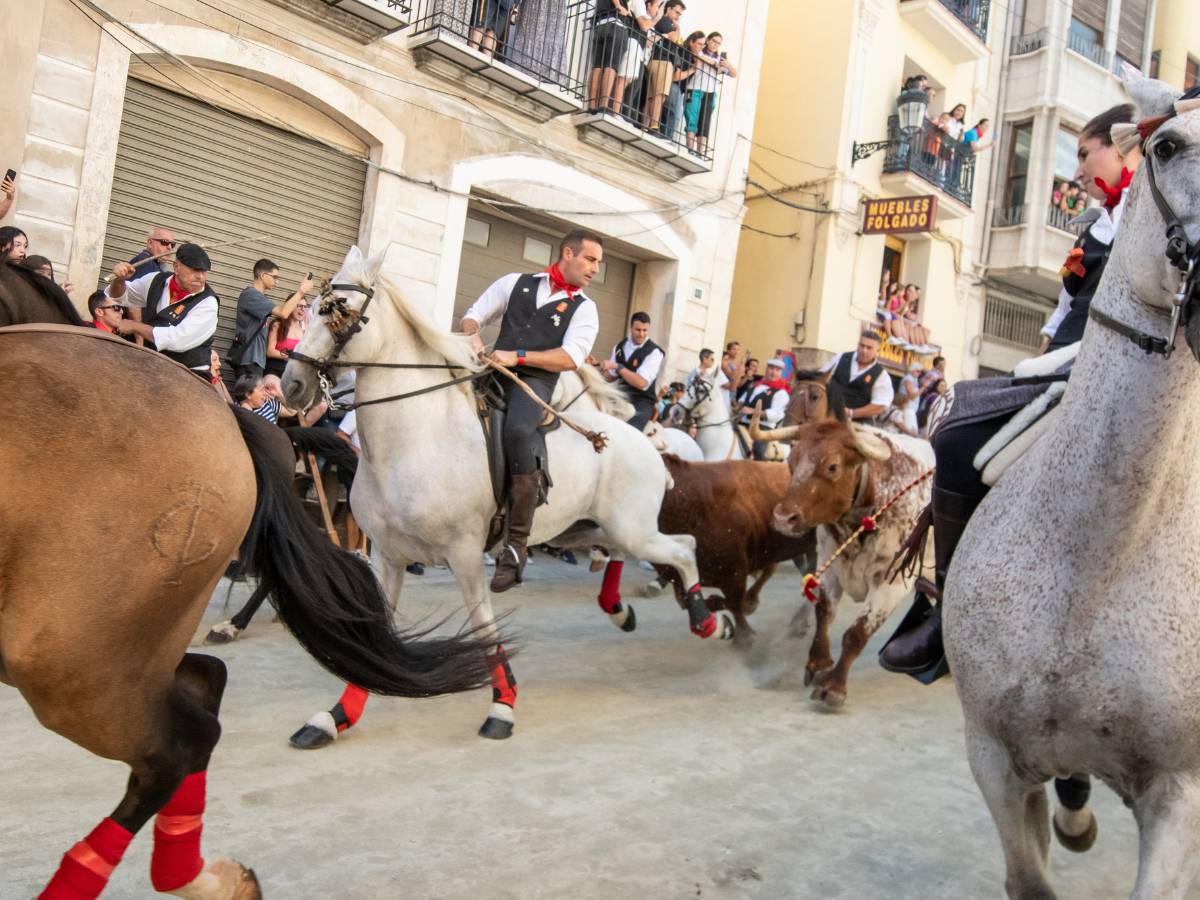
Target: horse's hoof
[
  {"x": 834, "y": 698},
  {"x": 726, "y": 627},
  {"x": 319, "y": 731},
  {"x": 813, "y": 673},
  {"x": 653, "y": 589},
  {"x": 630, "y": 622},
  {"x": 1078, "y": 843},
  {"x": 224, "y": 633},
  {"x": 596, "y": 565},
  {"x": 496, "y": 729},
  {"x": 224, "y": 878}
]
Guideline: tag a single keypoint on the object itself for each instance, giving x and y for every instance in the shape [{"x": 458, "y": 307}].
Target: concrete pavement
[{"x": 644, "y": 765}]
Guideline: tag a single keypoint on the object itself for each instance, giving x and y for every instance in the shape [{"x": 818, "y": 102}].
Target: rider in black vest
[
  {"x": 179, "y": 314},
  {"x": 548, "y": 326},
  {"x": 916, "y": 647},
  {"x": 635, "y": 363},
  {"x": 865, "y": 384}
]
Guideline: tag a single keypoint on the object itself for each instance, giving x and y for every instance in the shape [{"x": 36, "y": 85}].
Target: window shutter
[
  {"x": 1093, "y": 13},
  {"x": 1131, "y": 34}
]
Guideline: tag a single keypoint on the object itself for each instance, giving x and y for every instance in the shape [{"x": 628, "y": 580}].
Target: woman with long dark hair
[{"x": 13, "y": 244}]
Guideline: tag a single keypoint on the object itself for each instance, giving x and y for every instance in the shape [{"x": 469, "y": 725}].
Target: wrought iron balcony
[
  {"x": 971, "y": 13},
  {"x": 929, "y": 152},
  {"x": 1013, "y": 323},
  {"x": 1028, "y": 43}
]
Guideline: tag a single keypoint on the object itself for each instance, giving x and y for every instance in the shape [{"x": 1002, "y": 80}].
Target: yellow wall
[
  {"x": 822, "y": 271},
  {"x": 1176, "y": 34}
]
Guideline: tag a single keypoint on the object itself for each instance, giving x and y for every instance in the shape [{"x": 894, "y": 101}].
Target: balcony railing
[
  {"x": 1089, "y": 49},
  {"x": 972, "y": 13},
  {"x": 1013, "y": 322},
  {"x": 647, "y": 105},
  {"x": 947, "y": 164},
  {"x": 1028, "y": 43},
  {"x": 1007, "y": 216},
  {"x": 1061, "y": 219},
  {"x": 547, "y": 50}
]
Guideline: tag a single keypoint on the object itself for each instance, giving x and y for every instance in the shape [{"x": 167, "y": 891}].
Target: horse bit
[{"x": 1182, "y": 254}]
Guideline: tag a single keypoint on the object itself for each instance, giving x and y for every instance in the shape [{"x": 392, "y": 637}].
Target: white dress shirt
[
  {"x": 882, "y": 392},
  {"x": 1103, "y": 229},
  {"x": 773, "y": 414},
  {"x": 649, "y": 366},
  {"x": 197, "y": 327},
  {"x": 581, "y": 331}
]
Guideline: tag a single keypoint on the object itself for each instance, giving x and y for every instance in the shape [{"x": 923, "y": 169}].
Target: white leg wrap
[
  {"x": 1073, "y": 821},
  {"x": 502, "y": 712},
  {"x": 324, "y": 721}
]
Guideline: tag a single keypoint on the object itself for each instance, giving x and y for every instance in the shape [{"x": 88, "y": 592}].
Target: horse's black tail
[{"x": 331, "y": 601}]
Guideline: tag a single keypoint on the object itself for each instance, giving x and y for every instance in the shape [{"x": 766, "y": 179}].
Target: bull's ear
[{"x": 870, "y": 445}]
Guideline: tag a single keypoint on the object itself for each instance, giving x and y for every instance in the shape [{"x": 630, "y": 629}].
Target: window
[
  {"x": 1065, "y": 160},
  {"x": 537, "y": 251},
  {"x": 1191, "y": 76},
  {"x": 477, "y": 232},
  {"x": 1018, "y": 165},
  {"x": 1086, "y": 41}
]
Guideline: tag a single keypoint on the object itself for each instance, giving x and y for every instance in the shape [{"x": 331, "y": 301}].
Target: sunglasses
[
  {"x": 113, "y": 306},
  {"x": 170, "y": 245}
]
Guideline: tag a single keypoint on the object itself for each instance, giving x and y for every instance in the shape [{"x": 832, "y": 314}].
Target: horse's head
[
  {"x": 337, "y": 317},
  {"x": 1170, "y": 137},
  {"x": 698, "y": 396}
]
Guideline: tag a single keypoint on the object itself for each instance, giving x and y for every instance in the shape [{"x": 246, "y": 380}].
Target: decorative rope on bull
[
  {"x": 812, "y": 581},
  {"x": 598, "y": 438}
]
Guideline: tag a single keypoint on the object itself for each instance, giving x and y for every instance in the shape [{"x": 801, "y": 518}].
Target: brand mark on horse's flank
[{"x": 174, "y": 533}]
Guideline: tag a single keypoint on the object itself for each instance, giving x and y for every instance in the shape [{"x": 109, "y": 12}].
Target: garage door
[
  {"x": 214, "y": 176},
  {"x": 493, "y": 247}
]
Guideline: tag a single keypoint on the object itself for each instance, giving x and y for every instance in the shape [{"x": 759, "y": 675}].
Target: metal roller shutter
[
  {"x": 1092, "y": 13},
  {"x": 1131, "y": 33},
  {"x": 214, "y": 176},
  {"x": 504, "y": 253}
]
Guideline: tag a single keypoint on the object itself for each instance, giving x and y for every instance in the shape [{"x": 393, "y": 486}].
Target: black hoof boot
[
  {"x": 630, "y": 622},
  {"x": 496, "y": 729},
  {"x": 310, "y": 737}
]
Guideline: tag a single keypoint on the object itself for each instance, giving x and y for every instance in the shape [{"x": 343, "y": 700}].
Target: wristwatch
[{"x": 520, "y": 357}]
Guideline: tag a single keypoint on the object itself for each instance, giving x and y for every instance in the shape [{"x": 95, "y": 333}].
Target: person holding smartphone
[
  {"x": 8, "y": 192},
  {"x": 255, "y": 313}
]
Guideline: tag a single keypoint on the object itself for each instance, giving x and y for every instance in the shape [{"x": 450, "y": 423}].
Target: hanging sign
[{"x": 900, "y": 215}]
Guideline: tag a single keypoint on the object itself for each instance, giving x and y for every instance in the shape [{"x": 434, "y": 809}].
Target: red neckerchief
[
  {"x": 777, "y": 384},
  {"x": 1112, "y": 195},
  {"x": 559, "y": 283},
  {"x": 102, "y": 326},
  {"x": 177, "y": 293}
]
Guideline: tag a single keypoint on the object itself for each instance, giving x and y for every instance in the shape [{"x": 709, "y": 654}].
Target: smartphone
[
  {"x": 11, "y": 174},
  {"x": 310, "y": 275}
]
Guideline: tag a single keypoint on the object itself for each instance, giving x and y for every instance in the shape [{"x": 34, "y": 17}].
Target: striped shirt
[{"x": 269, "y": 410}]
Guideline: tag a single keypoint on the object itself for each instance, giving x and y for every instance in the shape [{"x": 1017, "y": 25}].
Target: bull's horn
[
  {"x": 870, "y": 445},
  {"x": 779, "y": 434}
]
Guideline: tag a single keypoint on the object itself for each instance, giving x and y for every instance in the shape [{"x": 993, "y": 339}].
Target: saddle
[{"x": 491, "y": 408}]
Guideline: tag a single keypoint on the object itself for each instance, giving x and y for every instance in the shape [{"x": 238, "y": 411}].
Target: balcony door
[{"x": 1017, "y": 171}]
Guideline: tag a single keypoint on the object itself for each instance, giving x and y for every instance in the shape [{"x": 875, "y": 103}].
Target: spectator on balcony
[
  {"x": 701, "y": 98},
  {"x": 537, "y": 43},
  {"x": 956, "y": 122},
  {"x": 489, "y": 22},
  {"x": 660, "y": 70},
  {"x": 643, "y": 16},
  {"x": 919, "y": 334},
  {"x": 1075, "y": 201},
  {"x": 609, "y": 43},
  {"x": 973, "y": 137},
  {"x": 681, "y": 77}
]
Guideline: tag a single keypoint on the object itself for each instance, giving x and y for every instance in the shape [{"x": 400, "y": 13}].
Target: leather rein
[
  {"x": 344, "y": 323},
  {"x": 1183, "y": 255}
]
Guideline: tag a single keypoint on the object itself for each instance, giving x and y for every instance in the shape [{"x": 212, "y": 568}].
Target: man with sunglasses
[
  {"x": 160, "y": 241},
  {"x": 105, "y": 312},
  {"x": 255, "y": 311}
]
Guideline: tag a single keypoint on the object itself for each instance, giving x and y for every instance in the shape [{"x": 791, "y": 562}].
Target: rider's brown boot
[
  {"x": 510, "y": 562},
  {"x": 916, "y": 647}
]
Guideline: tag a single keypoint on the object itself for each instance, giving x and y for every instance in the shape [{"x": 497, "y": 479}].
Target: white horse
[
  {"x": 673, "y": 440},
  {"x": 708, "y": 406},
  {"x": 422, "y": 491},
  {"x": 1072, "y": 616}
]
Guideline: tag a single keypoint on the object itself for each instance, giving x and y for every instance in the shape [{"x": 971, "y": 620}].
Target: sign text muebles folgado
[{"x": 900, "y": 215}]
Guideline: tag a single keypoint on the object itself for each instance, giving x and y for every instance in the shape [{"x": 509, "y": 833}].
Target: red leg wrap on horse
[
  {"x": 85, "y": 868},
  {"x": 176, "y": 860},
  {"x": 352, "y": 702},
  {"x": 610, "y": 589},
  {"x": 504, "y": 685}
]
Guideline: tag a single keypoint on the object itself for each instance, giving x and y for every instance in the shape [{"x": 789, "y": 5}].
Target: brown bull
[{"x": 840, "y": 473}]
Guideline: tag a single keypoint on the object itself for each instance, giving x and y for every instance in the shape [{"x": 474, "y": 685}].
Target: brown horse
[{"x": 98, "y": 652}]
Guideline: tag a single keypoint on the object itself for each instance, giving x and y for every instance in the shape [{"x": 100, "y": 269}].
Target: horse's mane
[
  {"x": 607, "y": 395},
  {"x": 456, "y": 348},
  {"x": 47, "y": 289},
  {"x": 833, "y": 391}
]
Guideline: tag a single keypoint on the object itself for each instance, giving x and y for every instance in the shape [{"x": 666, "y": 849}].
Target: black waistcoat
[
  {"x": 857, "y": 392},
  {"x": 196, "y": 358},
  {"x": 1081, "y": 288},
  {"x": 525, "y": 327},
  {"x": 636, "y": 359}
]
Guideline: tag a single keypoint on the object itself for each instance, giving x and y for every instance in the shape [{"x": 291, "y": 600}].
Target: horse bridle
[
  {"x": 688, "y": 418},
  {"x": 1182, "y": 254},
  {"x": 345, "y": 323}
]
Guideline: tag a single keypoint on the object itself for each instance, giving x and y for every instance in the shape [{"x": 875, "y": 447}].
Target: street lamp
[{"x": 911, "y": 107}]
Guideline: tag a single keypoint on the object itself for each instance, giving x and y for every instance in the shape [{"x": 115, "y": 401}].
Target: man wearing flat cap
[{"x": 179, "y": 310}]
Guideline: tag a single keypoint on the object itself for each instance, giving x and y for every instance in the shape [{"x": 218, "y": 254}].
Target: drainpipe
[{"x": 998, "y": 161}]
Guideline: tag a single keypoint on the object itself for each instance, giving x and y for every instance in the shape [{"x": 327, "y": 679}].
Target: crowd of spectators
[
  {"x": 899, "y": 315},
  {"x": 947, "y": 142},
  {"x": 1069, "y": 197}
]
